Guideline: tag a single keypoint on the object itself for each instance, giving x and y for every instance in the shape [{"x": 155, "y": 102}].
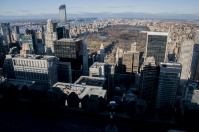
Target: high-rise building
[
  {"x": 17, "y": 33},
  {"x": 70, "y": 50},
  {"x": 50, "y": 36},
  {"x": 157, "y": 46},
  {"x": 168, "y": 82},
  {"x": 41, "y": 69},
  {"x": 63, "y": 19},
  {"x": 119, "y": 58},
  {"x": 148, "y": 80},
  {"x": 133, "y": 46},
  {"x": 8, "y": 67},
  {"x": 102, "y": 52},
  {"x": 64, "y": 72},
  {"x": 5, "y": 27},
  {"x": 104, "y": 70},
  {"x": 185, "y": 58},
  {"x": 127, "y": 63},
  {"x": 136, "y": 57},
  {"x": 85, "y": 58},
  {"x": 195, "y": 55},
  {"x": 29, "y": 37}
]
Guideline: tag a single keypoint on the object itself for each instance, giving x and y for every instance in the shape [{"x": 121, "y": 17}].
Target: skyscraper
[
  {"x": 148, "y": 80},
  {"x": 102, "y": 52},
  {"x": 64, "y": 72},
  {"x": 157, "y": 46},
  {"x": 42, "y": 69},
  {"x": 70, "y": 50},
  {"x": 17, "y": 33},
  {"x": 85, "y": 58},
  {"x": 169, "y": 79},
  {"x": 195, "y": 55},
  {"x": 185, "y": 58},
  {"x": 29, "y": 37},
  {"x": 50, "y": 36},
  {"x": 63, "y": 19},
  {"x": 62, "y": 14},
  {"x": 5, "y": 27}
]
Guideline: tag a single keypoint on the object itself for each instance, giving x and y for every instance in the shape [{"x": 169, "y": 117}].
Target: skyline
[{"x": 178, "y": 9}]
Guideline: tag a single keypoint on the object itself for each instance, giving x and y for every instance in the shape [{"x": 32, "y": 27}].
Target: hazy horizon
[{"x": 27, "y": 9}]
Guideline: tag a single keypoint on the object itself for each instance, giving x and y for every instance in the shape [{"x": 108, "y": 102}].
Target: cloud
[
  {"x": 119, "y": 6},
  {"x": 41, "y": 8},
  {"x": 8, "y": 12}
]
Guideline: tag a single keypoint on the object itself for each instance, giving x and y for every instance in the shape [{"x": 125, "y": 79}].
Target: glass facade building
[
  {"x": 70, "y": 50},
  {"x": 62, "y": 14},
  {"x": 157, "y": 46}
]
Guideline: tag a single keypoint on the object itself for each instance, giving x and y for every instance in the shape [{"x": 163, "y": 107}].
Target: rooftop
[
  {"x": 92, "y": 81},
  {"x": 19, "y": 82},
  {"x": 30, "y": 56},
  {"x": 68, "y": 40},
  {"x": 163, "y": 64},
  {"x": 98, "y": 64},
  {"x": 80, "y": 90},
  {"x": 158, "y": 33}
]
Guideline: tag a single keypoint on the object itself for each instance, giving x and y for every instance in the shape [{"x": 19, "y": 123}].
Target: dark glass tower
[
  {"x": 70, "y": 50},
  {"x": 156, "y": 46}
]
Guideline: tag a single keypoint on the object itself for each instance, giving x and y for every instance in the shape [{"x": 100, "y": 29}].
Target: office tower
[
  {"x": 109, "y": 59},
  {"x": 127, "y": 63},
  {"x": 169, "y": 79},
  {"x": 85, "y": 58},
  {"x": 196, "y": 77},
  {"x": 17, "y": 33},
  {"x": 70, "y": 50},
  {"x": 61, "y": 32},
  {"x": 41, "y": 69},
  {"x": 185, "y": 58},
  {"x": 50, "y": 36},
  {"x": 26, "y": 49},
  {"x": 8, "y": 67},
  {"x": 105, "y": 70},
  {"x": 195, "y": 55},
  {"x": 41, "y": 28},
  {"x": 133, "y": 46},
  {"x": 119, "y": 57},
  {"x": 135, "y": 65},
  {"x": 29, "y": 37},
  {"x": 6, "y": 31},
  {"x": 63, "y": 19},
  {"x": 102, "y": 52},
  {"x": 157, "y": 46},
  {"x": 148, "y": 80},
  {"x": 64, "y": 72}
]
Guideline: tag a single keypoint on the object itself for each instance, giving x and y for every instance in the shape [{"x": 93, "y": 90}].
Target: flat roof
[
  {"x": 169, "y": 64},
  {"x": 68, "y": 40},
  {"x": 92, "y": 81},
  {"x": 98, "y": 64},
  {"x": 32, "y": 56},
  {"x": 81, "y": 90},
  {"x": 158, "y": 33}
]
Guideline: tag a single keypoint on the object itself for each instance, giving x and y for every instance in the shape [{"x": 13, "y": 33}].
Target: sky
[{"x": 95, "y": 8}]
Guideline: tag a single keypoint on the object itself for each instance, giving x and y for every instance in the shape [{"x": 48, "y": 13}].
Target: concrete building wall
[
  {"x": 43, "y": 71},
  {"x": 185, "y": 58},
  {"x": 50, "y": 36}
]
